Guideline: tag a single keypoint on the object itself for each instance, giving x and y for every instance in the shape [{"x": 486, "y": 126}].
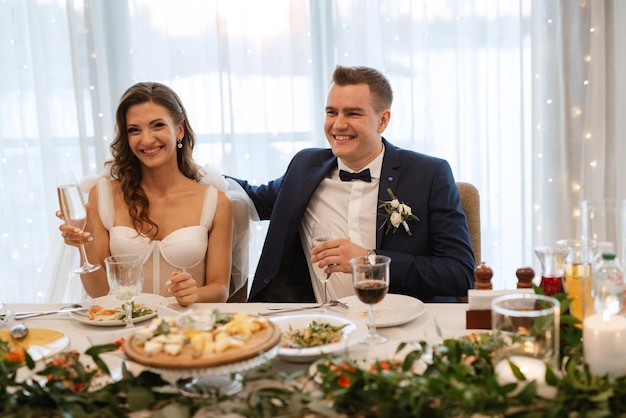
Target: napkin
[{"x": 481, "y": 299}]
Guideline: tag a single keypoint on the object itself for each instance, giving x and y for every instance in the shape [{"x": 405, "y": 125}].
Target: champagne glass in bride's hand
[
  {"x": 74, "y": 213},
  {"x": 125, "y": 275},
  {"x": 321, "y": 233},
  {"x": 370, "y": 277}
]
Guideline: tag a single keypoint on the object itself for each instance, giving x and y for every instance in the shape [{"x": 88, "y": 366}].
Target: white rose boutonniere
[{"x": 397, "y": 214}]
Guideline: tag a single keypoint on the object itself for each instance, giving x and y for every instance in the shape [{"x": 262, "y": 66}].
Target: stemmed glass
[
  {"x": 321, "y": 233},
  {"x": 125, "y": 274},
  {"x": 370, "y": 278},
  {"x": 74, "y": 213}
]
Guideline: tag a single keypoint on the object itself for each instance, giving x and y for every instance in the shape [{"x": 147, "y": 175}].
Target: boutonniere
[{"x": 397, "y": 214}]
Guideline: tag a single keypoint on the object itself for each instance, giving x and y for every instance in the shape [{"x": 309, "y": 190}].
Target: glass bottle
[
  {"x": 552, "y": 258},
  {"x": 608, "y": 285},
  {"x": 576, "y": 279}
]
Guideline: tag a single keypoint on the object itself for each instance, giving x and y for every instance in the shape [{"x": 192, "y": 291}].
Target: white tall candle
[
  {"x": 531, "y": 368},
  {"x": 604, "y": 344}
]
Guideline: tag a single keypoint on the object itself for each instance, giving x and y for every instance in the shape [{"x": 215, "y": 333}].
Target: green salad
[
  {"x": 314, "y": 335},
  {"x": 139, "y": 310}
]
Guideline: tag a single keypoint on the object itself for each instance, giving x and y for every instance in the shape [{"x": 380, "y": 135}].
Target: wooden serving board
[{"x": 260, "y": 341}]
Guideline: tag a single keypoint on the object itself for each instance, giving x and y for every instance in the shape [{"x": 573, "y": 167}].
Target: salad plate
[
  {"x": 351, "y": 333},
  {"x": 373, "y": 366},
  {"x": 112, "y": 307},
  {"x": 64, "y": 360},
  {"x": 392, "y": 311}
]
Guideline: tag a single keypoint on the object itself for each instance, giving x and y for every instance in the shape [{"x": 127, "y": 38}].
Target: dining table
[
  {"x": 412, "y": 323},
  {"x": 436, "y": 322}
]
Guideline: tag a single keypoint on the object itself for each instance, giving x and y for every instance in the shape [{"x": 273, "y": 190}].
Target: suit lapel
[{"x": 389, "y": 177}]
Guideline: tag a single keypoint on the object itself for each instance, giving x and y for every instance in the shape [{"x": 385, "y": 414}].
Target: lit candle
[
  {"x": 531, "y": 368},
  {"x": 604, "y": 344}
]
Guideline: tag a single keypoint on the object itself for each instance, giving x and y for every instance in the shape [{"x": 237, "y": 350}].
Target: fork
[{"x": 275, "y": 311}]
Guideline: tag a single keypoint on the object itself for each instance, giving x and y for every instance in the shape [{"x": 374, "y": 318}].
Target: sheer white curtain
[
  {"x": 579, "y": 99},
  {"x": 486, "y": 84}
]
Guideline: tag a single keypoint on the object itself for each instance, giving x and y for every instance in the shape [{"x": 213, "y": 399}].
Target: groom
[{"x": 343, "y": 187}]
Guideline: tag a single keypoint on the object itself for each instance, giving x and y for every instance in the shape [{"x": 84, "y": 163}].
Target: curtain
[
  {"x": 521, "y": 97},
  {"x": 578, "y": 99}
]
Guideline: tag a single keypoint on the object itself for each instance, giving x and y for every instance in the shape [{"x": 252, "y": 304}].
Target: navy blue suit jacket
[{"x": 437, "y": 260}]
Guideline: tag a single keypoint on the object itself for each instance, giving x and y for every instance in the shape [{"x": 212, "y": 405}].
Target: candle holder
[{"x": 526, "y": 335}]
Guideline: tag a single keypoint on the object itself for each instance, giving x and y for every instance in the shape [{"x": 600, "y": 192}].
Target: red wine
[
  {"x": 551, "y": 285},
  {"x": 371, "y": 291}
]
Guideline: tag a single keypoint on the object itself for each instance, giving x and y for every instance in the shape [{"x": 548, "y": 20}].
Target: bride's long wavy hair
[{"x": 125, "y": 166}]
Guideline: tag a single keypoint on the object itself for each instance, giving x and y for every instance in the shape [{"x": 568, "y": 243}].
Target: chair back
[
  {"x": 470, "y": 202},
  {"x": 241, "y": 238}
]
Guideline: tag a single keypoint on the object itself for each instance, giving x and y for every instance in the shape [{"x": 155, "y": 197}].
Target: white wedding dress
[{"x": 183, "y": 249}]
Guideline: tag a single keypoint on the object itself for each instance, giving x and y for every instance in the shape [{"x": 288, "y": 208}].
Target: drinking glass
[
  {"x": 526, "y": 334},
  {"x": 125, "y": 274},
  {"x": 321, "y": 233},
  {"x": 5, "y": 315},
  {"x": 370, "y": 278},
  {"x": 74, "y": 213}
]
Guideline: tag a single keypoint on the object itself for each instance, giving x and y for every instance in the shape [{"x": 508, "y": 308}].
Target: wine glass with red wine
[{"x": 370, "y": 278}]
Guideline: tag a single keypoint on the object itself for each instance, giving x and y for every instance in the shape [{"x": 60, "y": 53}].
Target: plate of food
[
  {"x": 338, "y": 367},
  {"x": 392, "y": 311},
  {"x": 62, "y": 366},
  {"x": 199, "y": 339},
  {"x": 306, "y": 337},
  {"x": 108, "y": 311},
  {"x": 39, "y": 342}
]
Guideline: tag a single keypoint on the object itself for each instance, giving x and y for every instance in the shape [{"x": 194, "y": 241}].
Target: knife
[{"x": 24, "y": 315}]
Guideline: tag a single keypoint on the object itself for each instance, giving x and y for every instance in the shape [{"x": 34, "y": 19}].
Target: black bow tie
[{"x": 361, "y": 175}]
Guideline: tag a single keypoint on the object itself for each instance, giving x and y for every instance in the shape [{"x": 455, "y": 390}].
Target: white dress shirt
[{"x": 353, "y": 218}]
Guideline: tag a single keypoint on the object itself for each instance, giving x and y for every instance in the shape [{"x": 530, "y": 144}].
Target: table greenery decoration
[{"x": 452, "y": 379}]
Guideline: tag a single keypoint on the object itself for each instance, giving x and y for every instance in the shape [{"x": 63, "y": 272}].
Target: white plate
[
  {"x": 111, "y": 302},
  {"x": 113, "y": 363},
  {"x": 419, "y": 366},
  {"x": 40, "y": 342},
  {"x": 352, "y": 334},
  {"x": 393, "y": 310}
]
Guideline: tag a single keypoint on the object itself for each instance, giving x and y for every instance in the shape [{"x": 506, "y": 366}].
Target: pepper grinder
[
  {"x": 482, "y": 277},
  {"x": 525, "y": 276}
]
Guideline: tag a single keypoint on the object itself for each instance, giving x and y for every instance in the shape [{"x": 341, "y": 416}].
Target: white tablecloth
[{"x": 448, "y": 318}]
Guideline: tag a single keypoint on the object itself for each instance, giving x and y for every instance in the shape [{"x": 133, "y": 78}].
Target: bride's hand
[{"x": 183, "y": 287}]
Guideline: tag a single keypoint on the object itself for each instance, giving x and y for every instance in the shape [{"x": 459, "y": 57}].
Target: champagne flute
[
  {"x": 125, "y": 274},
  {"x": 74, "y": 213},
  {"x": 321, "y": 233},
  {"x": 370, "y": 278}
]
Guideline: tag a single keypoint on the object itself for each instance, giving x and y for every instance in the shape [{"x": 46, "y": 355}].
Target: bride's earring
[{"x": 180, "y": 143}]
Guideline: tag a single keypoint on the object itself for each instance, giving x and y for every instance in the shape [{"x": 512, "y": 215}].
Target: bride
[{"x": 156, "y": 201}]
